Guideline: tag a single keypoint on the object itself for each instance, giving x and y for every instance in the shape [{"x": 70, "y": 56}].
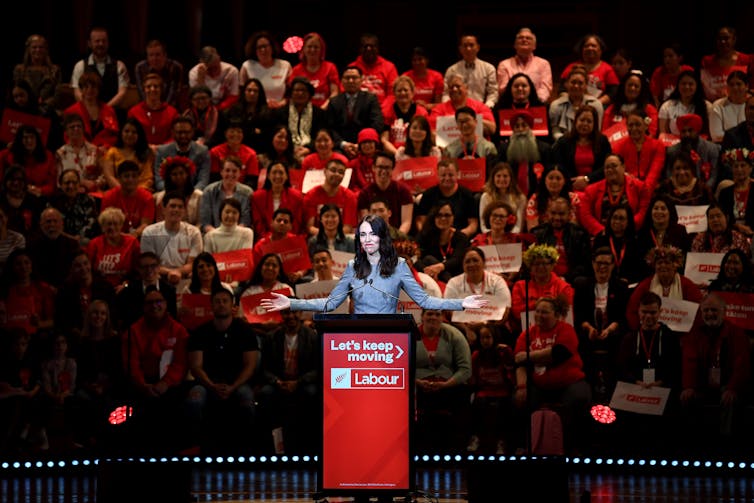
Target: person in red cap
[
  {"x": 527, "y": 155},
  {"x": 703, "y": 152},
  {"x": 361, "y": 165}
]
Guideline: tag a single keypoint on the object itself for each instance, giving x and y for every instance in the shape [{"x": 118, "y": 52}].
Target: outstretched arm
[{"x": 278, "y": 302}]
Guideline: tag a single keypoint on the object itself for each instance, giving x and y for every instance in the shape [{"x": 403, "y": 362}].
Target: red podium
[{"x": 368, "y": 404}]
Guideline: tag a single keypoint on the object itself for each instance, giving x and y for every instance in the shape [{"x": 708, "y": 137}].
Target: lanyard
[
  {"x": 618, "y": 259},
  {"x": 648, "y": 351}
]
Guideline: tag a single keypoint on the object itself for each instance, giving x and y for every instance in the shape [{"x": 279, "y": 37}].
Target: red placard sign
[
  {"x": 365, "y": 431},
  {"x": 739, "y": 308},
  {"x": 196, "y": 308},
  {"x": 419, "y": 173},
  {"x": 255, "y": 313},
  {"x": 472, "y": 173},
  {"x": 13, "y": 119},
  {"x": 236, "y": 265},
  {"x": 293, "y": 251}
]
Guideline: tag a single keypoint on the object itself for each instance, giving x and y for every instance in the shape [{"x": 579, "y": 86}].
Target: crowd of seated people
[{"x": 137, "y": 240}]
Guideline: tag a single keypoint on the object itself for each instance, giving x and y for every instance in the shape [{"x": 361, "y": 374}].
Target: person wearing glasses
[{"x": 395, "y": 194}]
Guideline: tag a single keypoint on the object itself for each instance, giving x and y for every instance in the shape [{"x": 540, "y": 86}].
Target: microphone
[
  {"x": 400, "y": 303},
  {"x": 343, "y": 295}
]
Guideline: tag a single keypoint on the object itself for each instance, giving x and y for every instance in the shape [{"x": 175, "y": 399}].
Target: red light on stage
[
  {"x": 603, "y": 414},
  {"x": 293, "y": 44},
  {"x": 120, "y": 414}
]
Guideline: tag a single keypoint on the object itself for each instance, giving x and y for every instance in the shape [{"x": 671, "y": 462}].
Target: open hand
[
  {"x": 278, "y": 302},
  {"x": 474, "y": 302}
]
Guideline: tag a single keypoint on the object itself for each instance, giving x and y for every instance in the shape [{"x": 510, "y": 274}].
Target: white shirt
[
  {"x": 173, "y": 248},
  {"x": 273, "y": 79},
  {"x": 224, "y": 85},
  {"x": 725, "y": 115}
]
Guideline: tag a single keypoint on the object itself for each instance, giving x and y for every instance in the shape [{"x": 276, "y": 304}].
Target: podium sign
[{"x": 368, "y": 383}]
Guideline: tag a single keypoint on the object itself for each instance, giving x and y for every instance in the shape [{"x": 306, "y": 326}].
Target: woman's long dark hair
[
  {"x": 321, "y": 237},
  {"x": 430, "y": 234},
  {"x": 427, "y": 144},
  {"x": 20, "y": 154},
  {"x": 644, "y": 98},
  {"x": 728, "y": 232},
  {"x": 506, "y": 99},
  {"x": 388, "y": 255},
  {"x": 543, "y": 195},
  {"x": 648, "y": 225},
  {"x": 187, "y": 189},
  {"x": 699, "y": 100},
  {"x": 261, "y": 104},
  {"x": 256, "y": 277},
  {"x": 630, "y": 232},
  {"x": 142, "y": 146},
  {"x": 268, "y": 184},
  {"x": 196, "y": 284},
  {"x": 746, "y": 278}
]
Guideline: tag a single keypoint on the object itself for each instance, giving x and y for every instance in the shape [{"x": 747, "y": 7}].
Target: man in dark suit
[
  {"x": 351, "y": 111},
  {"x": 130, "y": 299}
]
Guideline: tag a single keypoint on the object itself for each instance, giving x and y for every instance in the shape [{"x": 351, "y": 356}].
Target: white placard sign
[
  {"x": 494, "y": 311},
  {"x": 701, "y": 268},
  {"x": 320, "y": 290},
  {"x": 340, "y": 261},
  {"x": 446, "y": 129},
  {"x": 694, "y": 218},
  {"x": 635, "y": 398},
  {"x": 678, "y": 314},
  {"x": 502, "y": 258}
]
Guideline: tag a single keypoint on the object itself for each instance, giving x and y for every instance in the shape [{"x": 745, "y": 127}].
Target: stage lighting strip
[{"x": 576, "y": 462}]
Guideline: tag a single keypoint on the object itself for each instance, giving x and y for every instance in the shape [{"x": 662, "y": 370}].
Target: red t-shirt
[
  {"x": 326, "y": 75},
  {"x": 554, "y": 376},
  {"x": 378, "y": 78},
  {"x": 138, "y": 206},
  {"x": 247, "y": 155},
  {"x": 157, "y": 124},
  {"x": 114, "y": 262},
  {"x": 428, "y": 89},
  {"x": 345, "y": 199}
]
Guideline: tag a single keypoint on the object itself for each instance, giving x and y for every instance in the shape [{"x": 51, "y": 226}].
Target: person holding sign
[
  {"x": 650, "y": 356},
  {"x": 666, "y": 282},
  {"x": 420, "y": 141},
  {"x": 469, "y": 145},
  {"x": 205, "y": 276},
  {"x": 374, "y": 278},
  {"x": 720, "y": 236},
  {"x": 476, "y": 280},
  {"x": 715, "y": 373},
  {"x": 735, "y": 274},
  {"x": 553, "y": 363}
]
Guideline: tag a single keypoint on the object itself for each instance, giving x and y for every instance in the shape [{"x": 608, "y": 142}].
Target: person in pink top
[
  {"x": 538, "y": 69},
  {"x": 379, "y": 73},
  {"x": 428, "y": 83},
  {"x": 322, "y": 74}
]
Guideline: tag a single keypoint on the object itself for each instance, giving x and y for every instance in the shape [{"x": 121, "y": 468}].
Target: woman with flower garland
[
  {"x": 540, "y": 263},
  {"x": 665, "y": 282},
  {"x": 737, "y": 200}
]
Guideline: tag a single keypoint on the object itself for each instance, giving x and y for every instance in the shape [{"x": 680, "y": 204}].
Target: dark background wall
[{"x": 640, "y": 25}]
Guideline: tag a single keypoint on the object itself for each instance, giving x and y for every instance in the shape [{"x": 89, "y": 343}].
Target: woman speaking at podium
[{"x": 374, "y": 279}]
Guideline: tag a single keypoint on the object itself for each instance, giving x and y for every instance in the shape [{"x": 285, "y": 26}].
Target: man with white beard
[{"x": 528, "y": 155}]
